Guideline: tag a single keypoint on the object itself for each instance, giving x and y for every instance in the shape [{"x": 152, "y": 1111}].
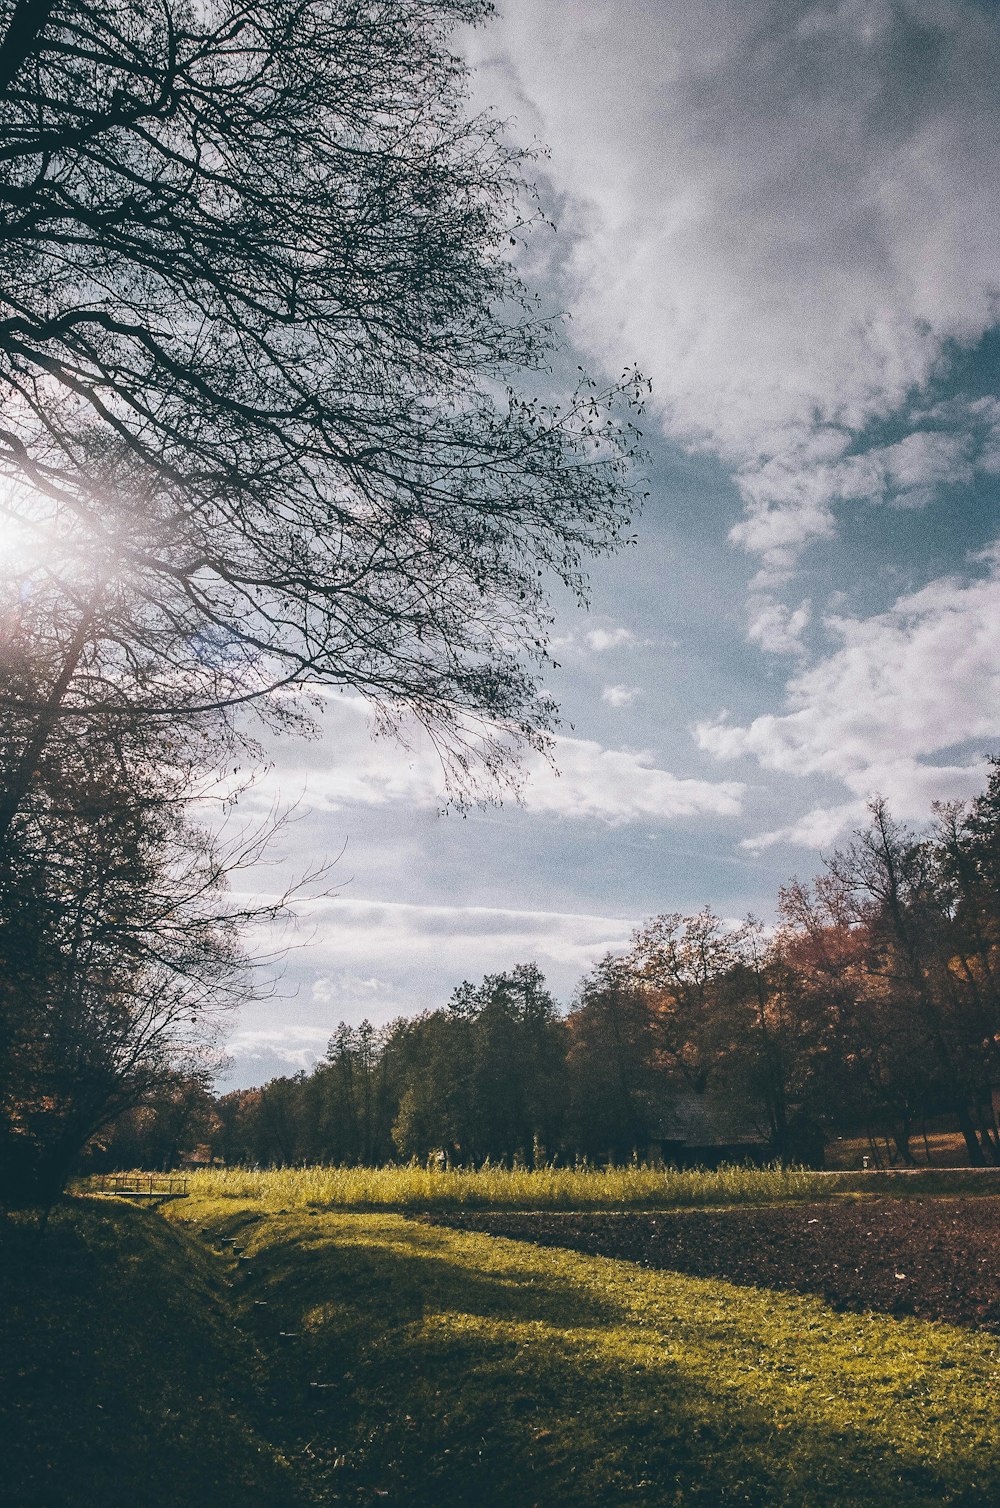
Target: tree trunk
[
  {"x": 968, "y": 1130},
  {"x": 927, "y": 1145},
  {"x": 901, "y": 1139},
  {"x": 26, "y": 25}
]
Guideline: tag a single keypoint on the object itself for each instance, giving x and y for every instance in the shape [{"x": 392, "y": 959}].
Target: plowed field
[{"x": 938, "y": 1259}]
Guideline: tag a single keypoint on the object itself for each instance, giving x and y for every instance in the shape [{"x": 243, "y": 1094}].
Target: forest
[{"x": 873, "y": 1005}]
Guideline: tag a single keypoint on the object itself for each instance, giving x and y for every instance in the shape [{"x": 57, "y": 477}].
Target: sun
[{"x": 27, "y": 533}]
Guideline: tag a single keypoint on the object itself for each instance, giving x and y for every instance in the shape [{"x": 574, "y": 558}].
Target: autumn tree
[
  {"x": 759, "y": 1043},
  {"x": 850, "y": 1041},
  {"x": 716, "y": 1007},
  {"x": 904, "y": 890},
  {"x": 684, "y": 964}
]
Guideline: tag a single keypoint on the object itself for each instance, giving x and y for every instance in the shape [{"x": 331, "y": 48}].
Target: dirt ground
[
  {"x": 935, "y": 1258},
  {"x": 947, "y": 1150}
]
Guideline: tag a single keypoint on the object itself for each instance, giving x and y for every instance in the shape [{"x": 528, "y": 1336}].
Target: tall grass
[{"x": 416, "y": 1188}]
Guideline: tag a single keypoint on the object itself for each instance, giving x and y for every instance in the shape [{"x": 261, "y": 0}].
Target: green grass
[
  {"x": 122, "y": 1378},
  {"x": 634, "y": 1186},
  {"x": 429, "y": 1367},
  {"x": 142, "y": 1366}
]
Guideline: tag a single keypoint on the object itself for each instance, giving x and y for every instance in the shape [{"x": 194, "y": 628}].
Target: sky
[{"x": 786, "y": 215}]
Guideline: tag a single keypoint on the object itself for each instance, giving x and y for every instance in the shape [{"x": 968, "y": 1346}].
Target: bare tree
[{"x": 267, "y": 367}]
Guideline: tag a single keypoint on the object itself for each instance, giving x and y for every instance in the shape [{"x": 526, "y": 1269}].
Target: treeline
[{"x": 872, "y": 1005}]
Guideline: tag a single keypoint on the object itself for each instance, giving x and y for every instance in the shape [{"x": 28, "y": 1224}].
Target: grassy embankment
[
  {"x": 123, "y": 1379},
  {"x": 422, "y": 1365}
]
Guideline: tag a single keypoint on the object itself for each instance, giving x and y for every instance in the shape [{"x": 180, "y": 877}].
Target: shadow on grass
[
  {"x": 352, "y": 1275},
  {"x": 416, "y": 1368},
  {"x": 122, "y": 1378}
]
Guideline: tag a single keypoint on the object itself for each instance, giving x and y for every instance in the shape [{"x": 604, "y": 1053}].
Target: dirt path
[{"x": 935, "y": 1258}]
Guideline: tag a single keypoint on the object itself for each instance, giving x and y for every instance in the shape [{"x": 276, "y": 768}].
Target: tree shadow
[
  {"x": 122, "y": 1378},
  {"x": 302, "y": 1273},
  {"x": 443, "y": 1380}
]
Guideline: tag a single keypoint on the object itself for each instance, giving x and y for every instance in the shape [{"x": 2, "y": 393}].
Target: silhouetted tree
[
  {"x": 118, "y": 946},
  {"x": 267, "y": 369},
  {"x": 611, "y": 1063}
]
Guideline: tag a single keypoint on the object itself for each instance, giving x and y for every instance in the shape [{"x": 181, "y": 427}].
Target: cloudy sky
[{"x": 787, "y": 216}]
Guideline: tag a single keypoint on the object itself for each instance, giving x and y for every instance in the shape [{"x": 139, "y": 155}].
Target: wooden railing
[{"x": 143, "y": 1185}]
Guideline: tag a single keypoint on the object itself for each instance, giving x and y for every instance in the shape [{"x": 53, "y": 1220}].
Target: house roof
[{"x": 711, "y": 1119}]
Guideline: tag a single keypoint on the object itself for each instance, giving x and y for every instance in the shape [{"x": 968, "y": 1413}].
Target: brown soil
[{"x": 935, "y": 1258}]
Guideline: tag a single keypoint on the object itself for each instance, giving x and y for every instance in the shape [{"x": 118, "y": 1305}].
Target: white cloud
[
  {"x": 603, "y": 639},
  {"x": 596, "y": 640},
  {"x": 621, "y": 696},
  {"x": 348, "y": 928},
  {"x": 379, "y": 959},
  {"x": 818, "y": 828},
  {"x": 887, "y": 709},
  {"x": 347, "y": 988},
  {"x": 786, "y": 216},
  {"x": 421, "y": 951},
  {"x": 277, "y": 1048},
  {"x": 618, "y": 785},
  {"x": 790, "y": 498},
  {"x": 614, "y": 786},
  {"x": 777, "y": 628}
]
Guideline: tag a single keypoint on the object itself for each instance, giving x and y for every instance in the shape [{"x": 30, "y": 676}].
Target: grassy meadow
[
  {"x": 300, "y": 1337},
  {"x": 635, "y": 1186},
  {"x": 441, "y": 1367},
  {"x": 413, "y": 1188}
]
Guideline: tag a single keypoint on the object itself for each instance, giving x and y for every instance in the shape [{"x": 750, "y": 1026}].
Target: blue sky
[{"x": 786, "y": 215}]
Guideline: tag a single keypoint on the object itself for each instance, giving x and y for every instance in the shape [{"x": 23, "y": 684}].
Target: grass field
[
  {"x": 361, "y": 1356},
  {"x": 631, "y": 1187},
  {"x": 438, "y": 1367},
  {"x": 416, "y": 1188}
]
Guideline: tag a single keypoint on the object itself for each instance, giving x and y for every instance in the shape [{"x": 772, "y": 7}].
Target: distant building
[{"x": 708, "y": 1129}]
